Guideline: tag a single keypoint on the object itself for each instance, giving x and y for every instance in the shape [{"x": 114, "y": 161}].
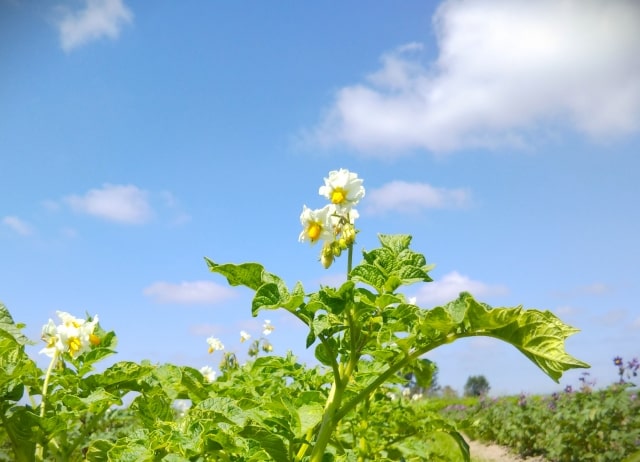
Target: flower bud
[
  {"x": 349, "y": 234},
  {"x": 326, "y": 256}
]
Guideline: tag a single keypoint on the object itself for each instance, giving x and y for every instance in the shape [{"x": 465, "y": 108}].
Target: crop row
[{"x": 572, "y": 426}]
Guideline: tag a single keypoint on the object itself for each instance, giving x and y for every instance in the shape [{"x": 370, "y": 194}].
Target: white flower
[
  {"x": 416, "y": 397},
  {"x": 267, "y": 327},
  {"x": 208, "y": 373},
  {"x": 317, "y": 224},
  {"x": 50, "y": 337},
  {"x": 214, "y": 344},
  {"x": 74, "y": 336},
  {"x": 342, "y": 188},
  {"x": 244, "y": 336}
]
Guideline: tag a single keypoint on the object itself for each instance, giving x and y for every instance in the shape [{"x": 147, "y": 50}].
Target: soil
[{"x": 482, "y": 452}]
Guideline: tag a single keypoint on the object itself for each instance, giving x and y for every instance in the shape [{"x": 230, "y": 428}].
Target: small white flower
[
  {"x": 342, "y": 188},
  {"x": 244, "y": 336},
  {"x": 208, "y": 373},
  {"x": 267, "y": 327},
  {"x": 214, "y": 344},
  {"x": 416, "y": 396},
  {"x": 317, "y": 224}
]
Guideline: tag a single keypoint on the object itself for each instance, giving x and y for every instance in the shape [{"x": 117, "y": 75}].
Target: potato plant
[{"x": 366, "y": 335}]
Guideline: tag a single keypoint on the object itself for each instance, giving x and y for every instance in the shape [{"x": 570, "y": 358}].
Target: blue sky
[{"x": 137, "y": 138}]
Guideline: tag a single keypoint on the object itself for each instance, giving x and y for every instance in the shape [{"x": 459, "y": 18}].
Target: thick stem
[
  {"x": 330, "y": 418},
  {"x": 45, "y": 387}
]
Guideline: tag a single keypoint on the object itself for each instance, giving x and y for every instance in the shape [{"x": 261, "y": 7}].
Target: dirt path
[{"x": 494, "y": 453}]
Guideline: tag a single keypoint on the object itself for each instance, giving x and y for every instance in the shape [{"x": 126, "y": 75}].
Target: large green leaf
[{"x": 539, "y": 335}]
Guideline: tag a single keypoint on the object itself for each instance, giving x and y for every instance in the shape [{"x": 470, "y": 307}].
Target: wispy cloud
[
  {"x": 505, "y": 69},
  {"x": 207, "y": 329},
  {"x": 188, "y": 292},
  {"x": 594, "y": 288},
  {"x": 404, "y": 197},
  {"x": 120, "y": 203},
  {"x": 448, "y": 288},
  {"x": 597, "y": 288},
  {"x": 97, "y": 19},
  {"x": 613, "y": 317},
  {"x": 19, "y": 226},
  {"x": 567, "y": 311}
]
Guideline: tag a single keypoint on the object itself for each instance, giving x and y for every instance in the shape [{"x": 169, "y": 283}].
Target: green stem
[
  {"x": 45, "y": 387},
  {"x": 305, "y": 446},
  {"x": 341, "y": 379},
  {"x": 329, "y": 419},
  {"x": 364, "y": 393}
]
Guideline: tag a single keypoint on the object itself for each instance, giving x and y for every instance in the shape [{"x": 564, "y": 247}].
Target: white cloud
[
  {"x": 597, "y": 288},
  {"x": 505, "y": 68},
  {"x": 19, "y": 226},
  {"x": 567, "y": 311},
  {"x": 613, "y": 317},
  {"x": 206, "y": 329},
  {"x": 448, "y": 288},
  {"x": 401, "y": 196},
  {"x": 98, "y": 18},
  {"x": 194, "y": 292},
  {"x": 120, "y": 203}
]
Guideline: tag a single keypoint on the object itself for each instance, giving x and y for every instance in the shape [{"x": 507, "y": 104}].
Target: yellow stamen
[
  {"x": 338, "y": 196},
  {"x": 74, "y": 345},
  {"x": 94, "y": 339},
  {"x": 314, "y": 231}
]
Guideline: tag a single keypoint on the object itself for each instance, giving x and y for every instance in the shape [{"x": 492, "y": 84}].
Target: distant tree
[
  {"x": 449, "y": 392},
  {"x": 477, "y": 385}
]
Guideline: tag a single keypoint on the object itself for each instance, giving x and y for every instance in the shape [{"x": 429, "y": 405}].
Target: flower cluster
[
  {"x": 229, "y": 360},
  {"x": 73, "y": 336},
  {"x": 261, "y": 343},
  {"x": 334, "y": 223}
]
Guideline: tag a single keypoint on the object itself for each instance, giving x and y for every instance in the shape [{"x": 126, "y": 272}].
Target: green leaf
[
  {"x": 423, "y": 370},
  {"x": 391, "y": 266},
  {"x": 271, "y": 291},
  {"x": 326, "y": 352},
  {"x": 310, "y": 415},
  {"x": 15, "y": 330},
  {"x": 246, "y": 274},
  {"x": 539, "y": 335},
  {"x": 21, "y": 426},
  {"x": 268, "y": 441}
]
